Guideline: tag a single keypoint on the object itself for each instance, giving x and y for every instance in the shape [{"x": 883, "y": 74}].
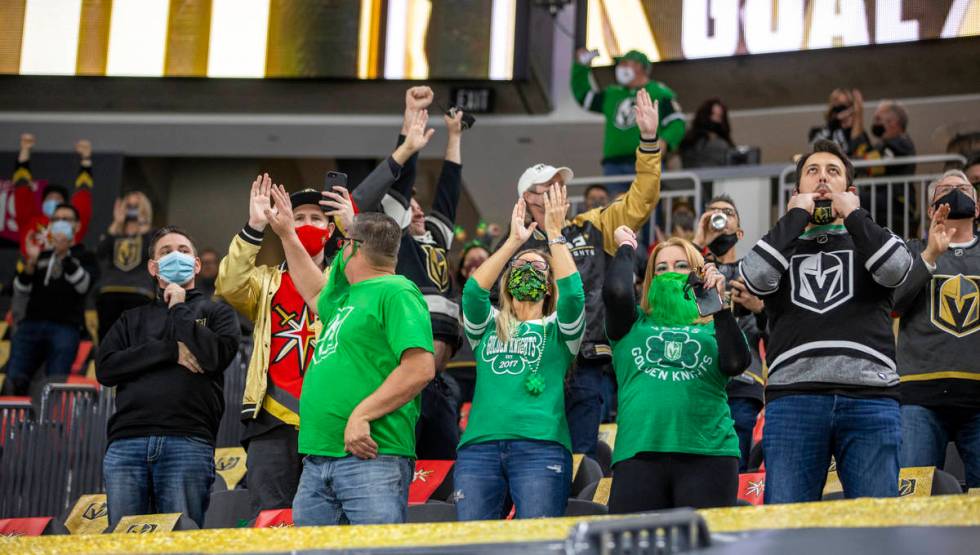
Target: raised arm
[
  {"x": 634, "y": 208},
  {"x": 441, "y": 220},
  {"x": 618, "y": 291},
  {"x": 307, "y": 277},
  {"x": 417, "y": 101},
  {"x": 25, "y": 204},
  {"x": 489, "y": 271},
  {"x": 81, "y": 199},
  {"x": 584, "y": 87},
  {"x": 555, "y": 209},
  {"x": 239, "y": 281},
  {"x": 397, "y": 203},
  {"x": 733, "y": 352}
]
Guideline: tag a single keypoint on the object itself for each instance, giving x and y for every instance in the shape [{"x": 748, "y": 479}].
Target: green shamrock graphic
[{"x": 674, "y": 349}]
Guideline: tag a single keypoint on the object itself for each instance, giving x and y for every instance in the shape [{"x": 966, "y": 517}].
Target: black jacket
[
  {"x": 154, "y": 394},
  {"x": 57, "y": 290}
]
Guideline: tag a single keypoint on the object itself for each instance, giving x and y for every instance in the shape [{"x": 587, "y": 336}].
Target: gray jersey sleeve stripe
[
  {"x": 774, "y": 253},
  {"x": 893, "y": 267},
  {"x": 880, "y": 253}
]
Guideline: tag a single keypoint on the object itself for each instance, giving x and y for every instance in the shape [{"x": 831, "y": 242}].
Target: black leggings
[{"x": 655, "y": 481}]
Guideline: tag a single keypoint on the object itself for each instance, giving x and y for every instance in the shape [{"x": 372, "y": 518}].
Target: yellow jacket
[{"x": 250, "y": 289}]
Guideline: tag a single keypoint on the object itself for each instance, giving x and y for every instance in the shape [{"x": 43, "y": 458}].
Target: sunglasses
[{"x": 539, "y": 265}]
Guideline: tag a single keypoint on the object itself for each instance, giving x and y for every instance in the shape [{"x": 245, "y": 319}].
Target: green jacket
[{"x": 616, "y": 103}]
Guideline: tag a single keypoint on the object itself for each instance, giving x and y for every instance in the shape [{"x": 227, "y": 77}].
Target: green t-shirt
[
  {"x": 503, "y": 408},
  {"x": 671, "y": 392},
  {"x": 617, "y": 103},
  {"x": 360, "y": 345}
]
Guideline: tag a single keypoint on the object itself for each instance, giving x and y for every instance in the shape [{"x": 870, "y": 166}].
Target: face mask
[
  {"x": 176, "y": 267},
  {"x": 715, "y": 127},
  {"x": 823, "y": 214},
  {"x": 670, "y": 303},
  {"x": 64, "y": 228},
  {"x": 313, "y": 238},
  {"x": 49, "y": 206},
  {"x": 527, "y": 284},
  {"x": 877, "y": 130},
  {"x": 961, "y": 206},
  {"x": 722, "y": 244},
  {"x": 625, "y": 75},
  {"x": 132, "y": 213}
]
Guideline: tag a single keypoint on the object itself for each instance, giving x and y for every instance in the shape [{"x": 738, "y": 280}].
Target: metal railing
[
  {"x": 878, "y": 194},
  {"x": 674, "y": 186}
]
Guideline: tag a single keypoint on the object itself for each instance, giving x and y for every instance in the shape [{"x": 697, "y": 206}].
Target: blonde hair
[
  {"x": 507, "y": 317},
  {"x": 146, "y": 209},
  {"x": 694, "y": 258}
]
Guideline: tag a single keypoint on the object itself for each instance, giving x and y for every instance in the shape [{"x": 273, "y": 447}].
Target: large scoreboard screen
[
  {"x": 352, "y": 39},
  {"x": 689, "y": 29}
]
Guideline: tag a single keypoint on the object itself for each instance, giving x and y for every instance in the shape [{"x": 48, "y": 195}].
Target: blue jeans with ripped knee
[{"x": 537, "y": 474}]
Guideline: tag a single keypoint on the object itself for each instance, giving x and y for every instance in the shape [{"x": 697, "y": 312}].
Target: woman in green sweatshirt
[{"x": 517, "y": 440}]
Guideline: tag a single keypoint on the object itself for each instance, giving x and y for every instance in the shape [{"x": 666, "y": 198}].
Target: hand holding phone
[{"x": 334, "y": 179}]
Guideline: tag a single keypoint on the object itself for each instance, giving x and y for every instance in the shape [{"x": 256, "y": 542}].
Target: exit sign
[{"x": 473, "y": 100}]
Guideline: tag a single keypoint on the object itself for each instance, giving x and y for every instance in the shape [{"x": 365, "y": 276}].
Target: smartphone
[
  {"x": 708, "y": 300},
  {"x": 334, "y": 179}
]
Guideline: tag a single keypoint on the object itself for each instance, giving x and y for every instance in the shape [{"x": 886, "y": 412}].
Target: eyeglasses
[
  {"x": 726, "y": 211},
  {"x": 539, "y": 265},
  {"x": 942, "y": 190}
]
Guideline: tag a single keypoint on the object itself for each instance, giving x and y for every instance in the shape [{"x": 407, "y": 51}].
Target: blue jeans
[
  {"x": 925, "y": 433},
  {"x": 803, "y": 431},
  {"x": 744, "y": 413},
  {"x": 158, "y": 474},
  {"x": 38, "y": 342},
  {"x": 350, "y": 490},
  {"x": 583, "y": 407},
  {"x": 537, "y": 474}
]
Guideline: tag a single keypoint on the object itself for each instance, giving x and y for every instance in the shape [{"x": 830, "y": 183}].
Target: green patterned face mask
[
  {"x": 527, "y": 284},
  {"x": 670, "y": 304}
]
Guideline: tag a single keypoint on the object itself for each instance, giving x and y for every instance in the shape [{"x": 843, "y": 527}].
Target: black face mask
[
  {"x": 823, "y": 214},
  {"x": 722, "y": 244},
  {"x": 877, "y": 130},
  {"x": 961, "y": 206},
  {"x": 715, "y": 127}
]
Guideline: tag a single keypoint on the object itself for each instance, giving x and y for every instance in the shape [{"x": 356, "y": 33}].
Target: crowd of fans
[{"x": 565, "y": 323}]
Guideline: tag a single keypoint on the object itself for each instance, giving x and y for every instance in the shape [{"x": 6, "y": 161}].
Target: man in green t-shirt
[
  {"x": 360, "y": 398},
  {"x": 616, "y": 103}
]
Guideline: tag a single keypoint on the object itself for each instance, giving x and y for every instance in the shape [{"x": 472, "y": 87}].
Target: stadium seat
[
  {"x": 445, "y": 490},
  {"x": 603, "y": 456},
  {"x": 756, "y": 458},
  {"x": 153, "y": 524},
  {"x": 230, "y": 509},
  {"x": 433, "y": 511},
  {"x": 954, "y": 463},
  {"x": 582, "y": 507},
  {"x": 944, "y": 483},
  {"x": 588, "y": 492},
  {"x": 589, "y": 472}
]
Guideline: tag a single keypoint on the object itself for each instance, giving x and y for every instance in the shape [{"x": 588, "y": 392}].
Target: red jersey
[{"x": 293, "y": 338}]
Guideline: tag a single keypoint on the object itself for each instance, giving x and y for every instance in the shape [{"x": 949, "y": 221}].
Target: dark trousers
[
  {"x": 655, "y": 481},
  {"x": 437, "y": 431},
  {"x": 110, "y": 306},
  {"x": 745, "y": 412},
  {"x": 274, "y": 467},
  {"x": 583, "y": 406},
  {"x": 39, "y": 342}
]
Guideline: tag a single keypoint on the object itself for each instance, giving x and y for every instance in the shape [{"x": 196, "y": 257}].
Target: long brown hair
[
  {"x": 507, "y": 318},
  {"x": 694, "y": 258}
]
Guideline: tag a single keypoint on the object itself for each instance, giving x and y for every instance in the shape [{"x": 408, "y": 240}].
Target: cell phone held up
[
  {"x": 708, "y": 300},
  {"x": 334, "y": 179}
]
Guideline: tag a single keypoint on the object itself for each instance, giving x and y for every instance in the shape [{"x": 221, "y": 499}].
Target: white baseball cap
[{"x": 541, "y": 173}]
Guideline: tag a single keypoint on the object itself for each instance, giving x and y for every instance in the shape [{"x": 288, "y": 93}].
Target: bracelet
[{"x": 560, "y": 240}]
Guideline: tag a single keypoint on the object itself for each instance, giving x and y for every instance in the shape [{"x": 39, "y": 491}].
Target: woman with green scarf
[
  {"x": 517, "y": 439},
  {"x": 675, "y": 444}
]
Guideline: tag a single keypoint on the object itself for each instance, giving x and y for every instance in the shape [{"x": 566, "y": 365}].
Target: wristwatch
[{"x": 560, "y": 240}]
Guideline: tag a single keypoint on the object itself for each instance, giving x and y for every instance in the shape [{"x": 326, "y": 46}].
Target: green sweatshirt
[{"x": 622, "y": 135}]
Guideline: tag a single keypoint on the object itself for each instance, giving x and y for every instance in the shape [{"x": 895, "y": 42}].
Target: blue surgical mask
[
  {"x": 49, "y": 206},
  {"x": 176, "y": 267},
  {"x": 64, "y": 228}
]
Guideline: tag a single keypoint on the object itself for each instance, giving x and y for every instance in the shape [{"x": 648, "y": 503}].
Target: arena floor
[{"x": 946, "y": 524}]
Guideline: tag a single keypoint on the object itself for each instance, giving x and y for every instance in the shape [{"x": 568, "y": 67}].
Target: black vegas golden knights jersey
[{"x": 939, "y": 330}]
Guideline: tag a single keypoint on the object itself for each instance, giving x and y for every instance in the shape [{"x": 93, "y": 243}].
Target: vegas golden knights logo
[
  {"x": 146, "y": 528},
  {"x": 955, "y": 304},
  {"x": 95, "y": 511},
  {"x": 126, "y": 252},
  {"x": 227, "y": 463},
  {"x": 906, "y": 486},
  {"x": 437, "y": 266}
]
